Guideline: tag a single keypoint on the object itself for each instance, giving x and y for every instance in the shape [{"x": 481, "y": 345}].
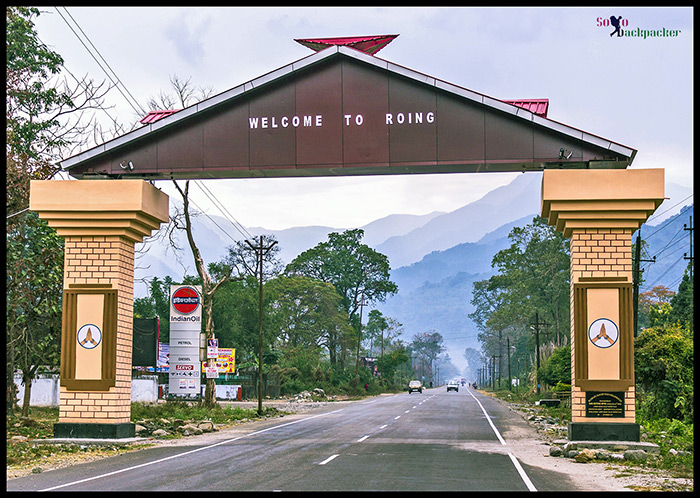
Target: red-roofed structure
[{"x": 367, "y": 44}]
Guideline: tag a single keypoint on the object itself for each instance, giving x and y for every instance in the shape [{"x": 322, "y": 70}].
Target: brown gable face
[{"x": 346, "y": 114}]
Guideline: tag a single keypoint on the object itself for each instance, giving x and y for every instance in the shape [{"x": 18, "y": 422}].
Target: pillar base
[
  {"x": 594, "y": 431},
  {"x": 94, "y": 431}
]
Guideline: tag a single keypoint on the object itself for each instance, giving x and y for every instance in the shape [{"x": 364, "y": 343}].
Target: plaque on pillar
[{"x": 89, "y": 339}]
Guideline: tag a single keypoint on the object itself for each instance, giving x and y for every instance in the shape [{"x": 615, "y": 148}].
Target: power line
[
  {"x": 131, "y": 102},
  {"x": 664, "y": 273},
  {"x": 230, "y": 218},
  {"x": 659, "y": 214}
]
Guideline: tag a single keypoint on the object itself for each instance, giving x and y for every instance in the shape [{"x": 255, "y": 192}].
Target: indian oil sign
[{"x": 185, "y": 328}]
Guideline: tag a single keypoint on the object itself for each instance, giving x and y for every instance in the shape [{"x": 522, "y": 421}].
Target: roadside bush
[
  {"x": 664, "y": 372},
  {"x": 557, "y": 368}
]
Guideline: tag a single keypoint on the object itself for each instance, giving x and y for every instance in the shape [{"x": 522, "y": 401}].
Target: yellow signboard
[{"x": 225, "y": 361}]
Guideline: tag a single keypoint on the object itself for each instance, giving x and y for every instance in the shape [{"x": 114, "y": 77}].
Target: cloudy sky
[{"x": 631, "y": 90}]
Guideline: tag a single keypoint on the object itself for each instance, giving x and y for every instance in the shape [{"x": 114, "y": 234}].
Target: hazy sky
[{"x": 631, "y": 90}]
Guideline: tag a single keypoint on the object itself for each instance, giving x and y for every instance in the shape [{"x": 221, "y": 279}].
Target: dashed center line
[
  {"x": 397, "y": 417},
  {"x": 328, "y": 459},
  {"x": 362, "y": 439}
]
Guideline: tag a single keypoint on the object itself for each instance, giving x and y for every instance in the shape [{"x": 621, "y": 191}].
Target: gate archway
[{"x": 343, "y": 112}]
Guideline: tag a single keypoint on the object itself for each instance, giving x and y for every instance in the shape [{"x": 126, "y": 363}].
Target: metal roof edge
[{"x": 321, "y": 55}]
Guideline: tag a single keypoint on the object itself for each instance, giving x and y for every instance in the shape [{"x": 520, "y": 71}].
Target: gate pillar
[
  {"x": 599, "y": 210},
  {"x": 100, "y": 221}
]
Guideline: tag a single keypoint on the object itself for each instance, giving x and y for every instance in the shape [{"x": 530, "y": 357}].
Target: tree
[
  {"x": 427, "y": 346},
  {"x": 34, "y": 282},
  {"x": 183, "y": 94},
  {"x": 356, "y": 271},
  {"x": 535, "y": 276},
  {"x": 305, "y": 313},
  {"x": 682, "y": 302},
  {"x": 657, "y": 295}
]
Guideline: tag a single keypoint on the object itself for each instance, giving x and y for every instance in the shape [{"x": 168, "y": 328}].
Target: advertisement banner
[{"x": 225, "y": 361}]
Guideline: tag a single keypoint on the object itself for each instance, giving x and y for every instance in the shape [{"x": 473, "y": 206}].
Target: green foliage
[
  {"x": 34, "y": 283},
  {"x": 30, "y": 64},
  {"x": 556, "y": 370},
  {"x": 664, "y": 366},
  {"x": 353, "y": 268},
  {"x": 533, "y": 277}
]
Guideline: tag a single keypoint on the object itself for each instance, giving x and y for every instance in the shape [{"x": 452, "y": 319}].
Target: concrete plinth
[
  {"x": 593, "y": 431},
  {"x": 94, "y": 431}
]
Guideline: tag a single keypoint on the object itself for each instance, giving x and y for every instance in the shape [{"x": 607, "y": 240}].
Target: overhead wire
[
  {"x": 225, "y": 212},
  {"x": 133, "y": 102}
]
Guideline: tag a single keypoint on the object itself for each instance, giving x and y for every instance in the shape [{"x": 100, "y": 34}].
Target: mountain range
[{"x": 435, "y": 258}]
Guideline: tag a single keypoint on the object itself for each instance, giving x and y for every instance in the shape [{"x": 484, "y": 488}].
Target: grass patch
[{"x": 39, "y": 425}]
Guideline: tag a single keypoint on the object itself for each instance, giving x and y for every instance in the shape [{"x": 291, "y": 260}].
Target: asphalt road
[{"x": 434, "y": 441}]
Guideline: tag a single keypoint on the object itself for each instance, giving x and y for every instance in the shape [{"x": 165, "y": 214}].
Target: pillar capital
[
  {"x": 581, "y": 199},
  {"x": 127, "y": 208}
]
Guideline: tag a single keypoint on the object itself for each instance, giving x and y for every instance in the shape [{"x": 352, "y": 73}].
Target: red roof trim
[
  {"x": 535, "y": 106},
  {"x": 367, "y": 44},
  {"x": 154, "y": 116}
]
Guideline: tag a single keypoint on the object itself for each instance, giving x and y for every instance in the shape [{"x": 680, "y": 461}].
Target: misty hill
[
  {"x": 467, "y": 224},
  {"x": 668, "y": 241}
]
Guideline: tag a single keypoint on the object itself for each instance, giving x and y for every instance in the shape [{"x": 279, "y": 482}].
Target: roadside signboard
[
  {"x": 185, "y": 328},
  {"x": 225, "y": 361}
]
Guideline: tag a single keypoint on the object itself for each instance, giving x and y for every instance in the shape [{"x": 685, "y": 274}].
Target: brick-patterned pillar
[
  {"x": 101, "y": 220},
  {"x": 600, "y": 210}
]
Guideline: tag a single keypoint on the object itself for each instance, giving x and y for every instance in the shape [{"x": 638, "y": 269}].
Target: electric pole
[
  {"x": 685, "y": 256},
  {"x": 536, "y": 327},
  {"x": 260, "y": 252},
  {"x": 510, "y": 382},
  {"x": 359, "y": 334},
  {"x": 636, "y": 277}
]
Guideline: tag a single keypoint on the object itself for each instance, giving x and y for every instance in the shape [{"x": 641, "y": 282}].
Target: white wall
[{"x": 46, "y": 390}]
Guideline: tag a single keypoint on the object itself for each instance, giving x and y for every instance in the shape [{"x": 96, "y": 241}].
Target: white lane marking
[
  {"x": 397, "y": 417},
  {"x": 382, "y": 427},
  {"x": 517, "y": 465},
  {"x": 188, "y": 452},
  {"x": 522, "y": 473},
  {"x": 407, "y": 411},
  {"x": 414, "y": 406},
  {"x": 498, "y": 434},
  {"x": 328, "y": 459},
  {"x": 362, "y": 439}
]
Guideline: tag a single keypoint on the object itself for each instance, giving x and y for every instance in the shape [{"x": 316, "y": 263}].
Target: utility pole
[
  {"x": 510, "y": 382},
  {"x": 260, "y": 252},
  {"x": 690, "y": 258},
  {"x": 536, "y": 327},
  {"x": 636, "y": 277},
  {"x": 359, "y": 334},
  {"x": 500, "y": 355}
]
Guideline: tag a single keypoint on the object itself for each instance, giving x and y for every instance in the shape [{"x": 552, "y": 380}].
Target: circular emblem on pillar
[
  {"x": 603, "y": 333},
  {"x": 89, "y": 336},
  {"x": 185, "y": 300}
]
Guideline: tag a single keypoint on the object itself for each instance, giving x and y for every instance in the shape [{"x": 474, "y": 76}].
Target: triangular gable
[{"x": 343, "y": 112}]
